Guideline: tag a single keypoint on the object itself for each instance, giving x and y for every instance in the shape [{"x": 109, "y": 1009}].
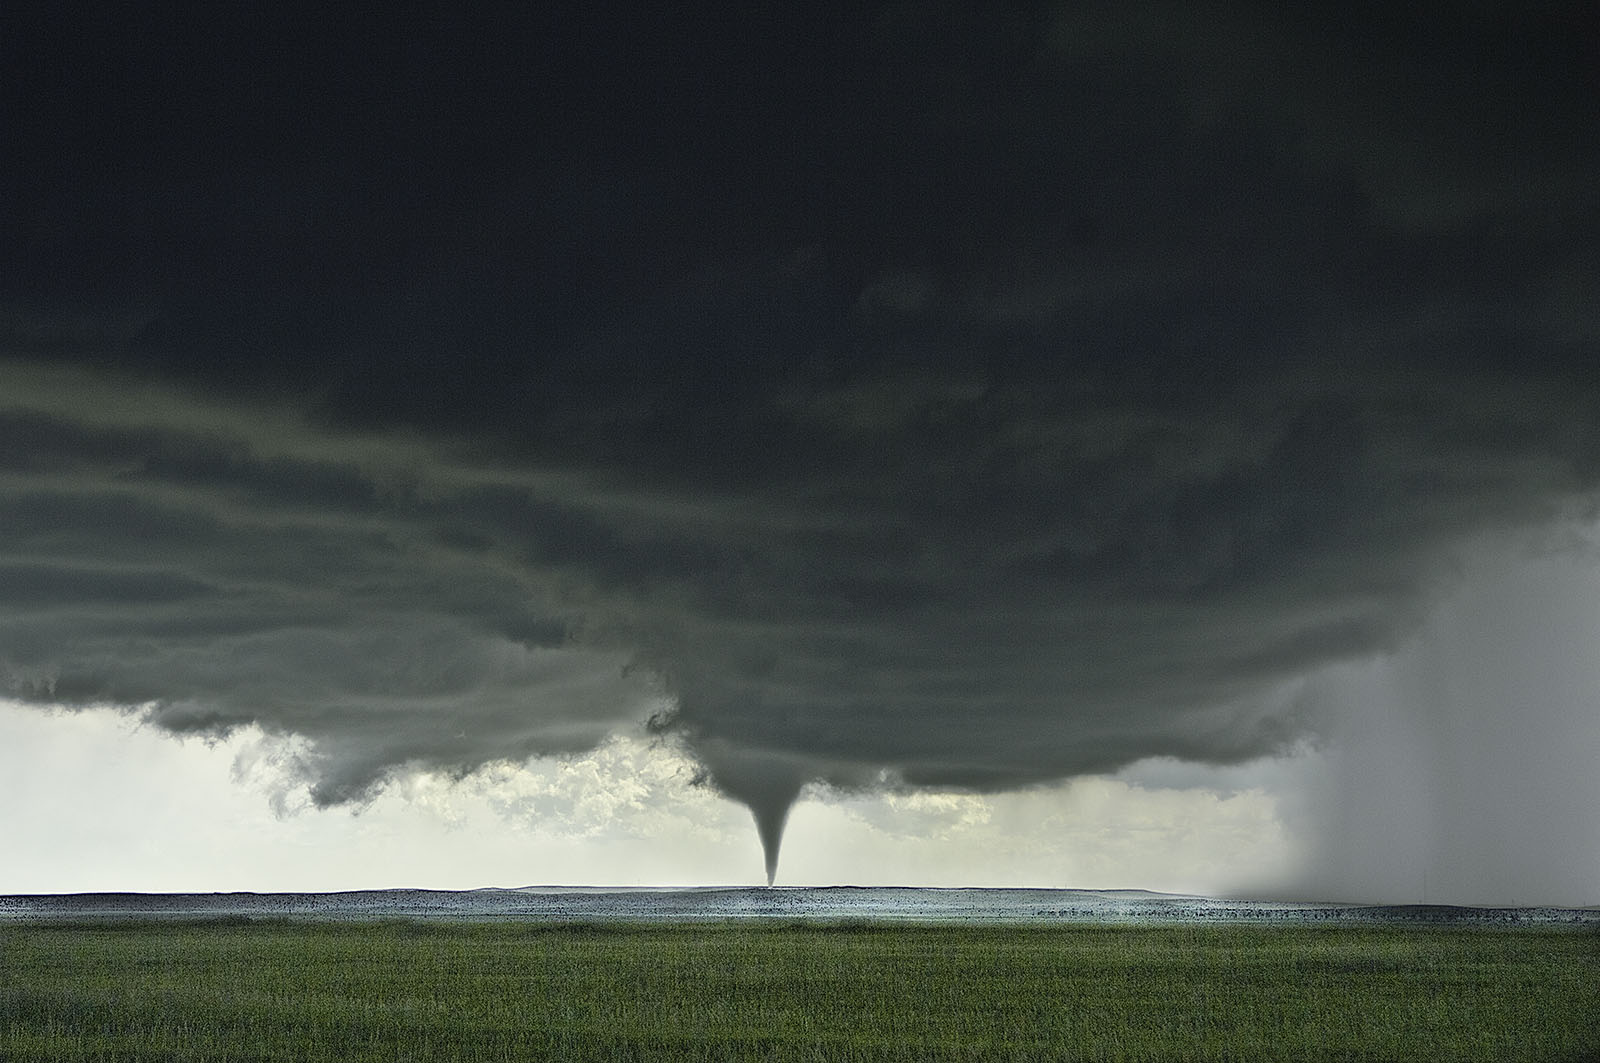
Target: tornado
[
  {"x": 771, "y": 814},
  {"x": 766, "y": 784}
]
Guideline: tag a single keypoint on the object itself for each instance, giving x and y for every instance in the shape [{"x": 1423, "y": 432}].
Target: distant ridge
[
  {"x": 819, "y": 904},
  {"x": 553, "y": 888}
]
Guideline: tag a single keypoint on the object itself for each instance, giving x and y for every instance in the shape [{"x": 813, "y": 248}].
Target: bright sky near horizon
[{"x": 132, "y": 810}]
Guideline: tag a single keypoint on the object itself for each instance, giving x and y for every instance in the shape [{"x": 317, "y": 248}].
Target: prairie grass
[{"x": 399, "y": 991}]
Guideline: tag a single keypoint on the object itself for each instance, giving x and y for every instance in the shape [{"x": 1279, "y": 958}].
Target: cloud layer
[{"x": 961, "y": 402}]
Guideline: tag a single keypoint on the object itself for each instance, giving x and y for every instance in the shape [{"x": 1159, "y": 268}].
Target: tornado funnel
[
  {"x": 770, "y": 819},
  {"x": 768, "y": 786}
]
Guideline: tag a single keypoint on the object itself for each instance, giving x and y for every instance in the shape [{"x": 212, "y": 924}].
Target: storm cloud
[{"x": 901, "y": 397}]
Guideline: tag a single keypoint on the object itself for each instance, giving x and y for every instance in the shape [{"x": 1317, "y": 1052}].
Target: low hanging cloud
[
  {"x": 847, "y": 630},
  {"x": 1068, "y": 434}
]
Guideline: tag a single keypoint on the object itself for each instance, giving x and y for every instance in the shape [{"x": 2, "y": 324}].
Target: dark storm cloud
[{"x": 961, "y": 398}]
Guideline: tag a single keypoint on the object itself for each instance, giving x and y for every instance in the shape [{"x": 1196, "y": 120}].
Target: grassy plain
[{"x": 280, "y": 990}]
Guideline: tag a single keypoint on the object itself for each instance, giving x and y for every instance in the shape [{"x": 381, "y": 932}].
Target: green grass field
[{"x": 510, "y": 991}]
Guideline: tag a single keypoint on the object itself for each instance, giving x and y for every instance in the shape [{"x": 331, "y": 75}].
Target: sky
[{"x": 1131, "y": 445}]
